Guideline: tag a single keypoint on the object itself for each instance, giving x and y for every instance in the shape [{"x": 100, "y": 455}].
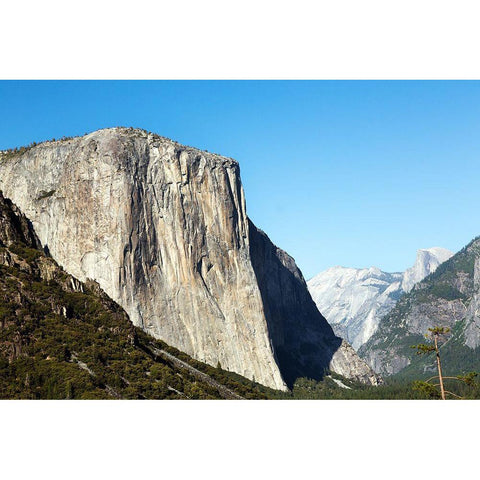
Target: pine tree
[{"x": 431, "y": 389}]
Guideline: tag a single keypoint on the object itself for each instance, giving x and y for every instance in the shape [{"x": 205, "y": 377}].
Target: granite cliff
[
  {"x": 63, "y": 339},
  {"x": 354, "y": 300},
  {"x": 163, "y": 229}
]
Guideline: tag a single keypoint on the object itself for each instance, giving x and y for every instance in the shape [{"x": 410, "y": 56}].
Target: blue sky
[{"x": 352, "y": 173}]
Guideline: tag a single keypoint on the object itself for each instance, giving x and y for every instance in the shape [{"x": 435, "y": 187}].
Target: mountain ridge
[
  {"x": 355, "y": 299},
  {"x": 64, "y": 339},
  {"x": 447, "y": 297},
  {"x": 163, "y": 229}
]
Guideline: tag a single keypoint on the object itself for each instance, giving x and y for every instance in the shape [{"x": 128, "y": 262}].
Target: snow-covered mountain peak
[
  {"x": 353, "y": 300},
  {"x": 427, "y": 261}
]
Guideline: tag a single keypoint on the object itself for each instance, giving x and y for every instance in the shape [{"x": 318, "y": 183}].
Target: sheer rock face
[
  {"x": 449, "y": 297},
  {"x": 304, "y": 342},
  {"x": 163, "y": 229},
  {"x": 472, "y": 329},
  {"x": 354, "y": 300},
  {"x": 427, "y": 262}
]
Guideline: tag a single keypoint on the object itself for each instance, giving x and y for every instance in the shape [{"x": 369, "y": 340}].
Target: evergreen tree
[{"x": 431, "y": 389}]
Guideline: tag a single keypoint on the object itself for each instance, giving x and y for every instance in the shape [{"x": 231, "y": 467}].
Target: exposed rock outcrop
[
  {"x": 448, "y": 298},
  {"x": 427, "y": 261},
  {"x": 302, "y": 340},
  {"x": 14, "y": 226},
  {"x": 354, "y": 300},
  {"x": 163, "y": 229},
  {"x": 472, "y": 328},
  {"x": 62, "y": 339}
]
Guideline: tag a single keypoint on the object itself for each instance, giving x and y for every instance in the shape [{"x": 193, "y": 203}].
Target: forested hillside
[{"x": 60, "y": 338}]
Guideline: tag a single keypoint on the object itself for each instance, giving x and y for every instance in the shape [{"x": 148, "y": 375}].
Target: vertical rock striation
[{"x": 163, "y": 229}]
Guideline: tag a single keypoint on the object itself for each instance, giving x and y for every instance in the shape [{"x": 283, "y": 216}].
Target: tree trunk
[{"x": 439, "y": 367}]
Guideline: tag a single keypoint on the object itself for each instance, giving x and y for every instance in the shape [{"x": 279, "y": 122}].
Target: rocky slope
[
  {"x": 163, "y": 229},
  {"x": 354, "y": 300},
  {"x": 448, "y": 297},
  {"x": 60, "y": 338}
]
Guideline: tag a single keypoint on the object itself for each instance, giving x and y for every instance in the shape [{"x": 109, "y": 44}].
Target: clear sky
[{"x": 352, "y": 173}]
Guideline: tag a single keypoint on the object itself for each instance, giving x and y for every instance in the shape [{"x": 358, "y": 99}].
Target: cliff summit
[{"x": 163, "y": 229}]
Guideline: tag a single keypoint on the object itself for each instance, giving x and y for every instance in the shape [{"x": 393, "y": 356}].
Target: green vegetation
[
  {"x": 439, "y": 290},
  {"x": 443, "y": 282},
  {"x": 60, "y": 343},
  {"x": 429, "y": 300},
  {"x": 56, "y": 343},
  {"x": 440, "y": 389},
  {"x": 393, "y": 389},
  {"x": 27, "y": 253},
  {"x": 327, "y": 389},
  {"x": 14, "y": 152},
  {"x": 457, "y": 358},
  {"x": 462, "y": 261}
]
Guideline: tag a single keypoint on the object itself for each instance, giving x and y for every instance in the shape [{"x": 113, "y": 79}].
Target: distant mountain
[
  {"x": 448, "y": 297},
  {"x": 426, "y": 263},
  {"x": 354, "y": 300}
]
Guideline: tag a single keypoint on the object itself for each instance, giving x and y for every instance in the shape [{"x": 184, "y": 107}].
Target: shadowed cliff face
[
  {"x": 14, "y": 226},
  {"x": 163, "y": 229},
  {"x": 303, "y": 342}
]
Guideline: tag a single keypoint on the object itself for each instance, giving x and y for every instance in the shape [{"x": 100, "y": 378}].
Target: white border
[
  {"x": 238, "y": 439},
  {"x": 146, "y": 39},
  {"x": 240, "y": 40}
]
